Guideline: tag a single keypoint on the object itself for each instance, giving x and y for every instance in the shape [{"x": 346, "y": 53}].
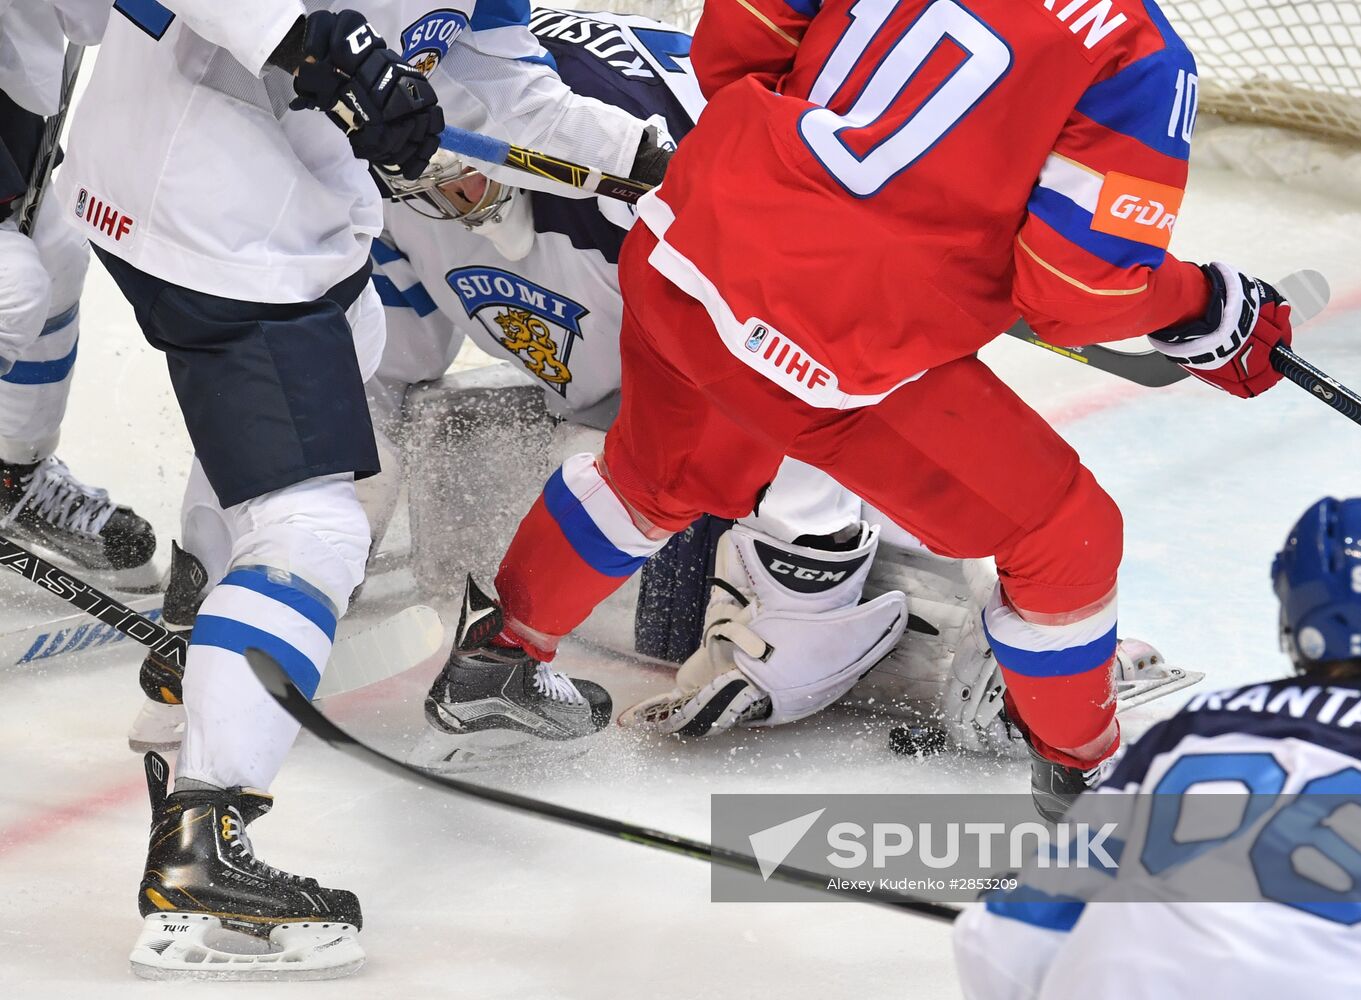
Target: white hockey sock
[{"x": 235, "y": 733}]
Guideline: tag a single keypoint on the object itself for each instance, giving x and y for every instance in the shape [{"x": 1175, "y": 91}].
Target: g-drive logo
[{"x": 940, "y": 846}]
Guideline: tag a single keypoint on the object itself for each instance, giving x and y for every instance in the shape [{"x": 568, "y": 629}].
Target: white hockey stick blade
[
  {"x": 78, "y": 633},
  {"x": 374, "y": 654},
  {"x": 1307, "y": 292}
]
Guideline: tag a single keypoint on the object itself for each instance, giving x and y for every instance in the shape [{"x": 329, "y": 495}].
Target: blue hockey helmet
[{"x": 1317, "y": 576}]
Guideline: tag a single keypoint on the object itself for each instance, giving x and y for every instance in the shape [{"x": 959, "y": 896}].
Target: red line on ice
[{"x": 45, "y": 824}]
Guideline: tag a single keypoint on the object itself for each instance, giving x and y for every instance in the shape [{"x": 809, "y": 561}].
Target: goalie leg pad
[
  {"x": 673, "y": 591},
  {"x": 814, "y": 659},
  {"x": 785, "y": 637}
]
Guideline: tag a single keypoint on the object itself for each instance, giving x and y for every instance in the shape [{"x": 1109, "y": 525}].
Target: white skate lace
[
  {"x": 246, "y": 855},
  {"x": 63, "y": 501},
  {"x": 558, "y": 687}
]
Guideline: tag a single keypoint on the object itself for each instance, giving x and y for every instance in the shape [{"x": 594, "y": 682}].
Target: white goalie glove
[{"x": 785, "y": 636}]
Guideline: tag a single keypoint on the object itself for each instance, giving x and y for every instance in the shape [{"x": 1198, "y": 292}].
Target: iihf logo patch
[
  {"x": 535, "y": 324},
  {"x": 757, "y": 337},
  {"x": 426, "y": 42},
  {"x": 81, "y": 200}
]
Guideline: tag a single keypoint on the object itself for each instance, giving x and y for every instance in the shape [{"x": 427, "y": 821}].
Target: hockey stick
[
  {"x": 503, "y": 154},
  {"x": 392, "y": 646},
  {"x": 1306, "y": 290},
  {"x": 67, "y": 635},
  {"x": 1316, "y": 382},
  {"x": 1308, "y": 294},
  {"x": 47, "y": 155},
  {"x": 295, "y": 703}
]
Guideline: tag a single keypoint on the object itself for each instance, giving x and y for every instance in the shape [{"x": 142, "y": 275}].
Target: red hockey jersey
[{"x": 878, "y": 187}]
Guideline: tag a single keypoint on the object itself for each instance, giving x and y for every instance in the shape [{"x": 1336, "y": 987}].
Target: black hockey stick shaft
[
  {"x": 1316, "y": 382},
  {"x": 276, "y": 682},
  {"x": 1307, "y": 291},
  {"x": 47, "y": 154},
  {"x": 169, "y": 645}
]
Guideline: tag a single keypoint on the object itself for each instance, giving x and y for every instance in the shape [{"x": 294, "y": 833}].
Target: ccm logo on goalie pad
[
  {"x": 1136, "y": 209},
  {"x": 803, "y": 574}
]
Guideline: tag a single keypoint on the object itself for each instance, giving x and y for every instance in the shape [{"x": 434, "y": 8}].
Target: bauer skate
[
  {"x": 212, "y": 910},
  {"x": 160, "y": 723},
  {"x": 493, "y": 705},
  {"x": 45, "y": 506}
]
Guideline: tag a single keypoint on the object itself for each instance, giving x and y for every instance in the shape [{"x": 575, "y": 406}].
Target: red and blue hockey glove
[
  {"x": 1231, "y": 347},
  {"x": 388, "y": 109}
]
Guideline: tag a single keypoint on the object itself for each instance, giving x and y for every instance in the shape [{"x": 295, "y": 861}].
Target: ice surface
[{"x": 463, "y": 900}]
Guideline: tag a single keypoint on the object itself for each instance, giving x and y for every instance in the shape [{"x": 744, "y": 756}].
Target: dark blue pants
[{"x": 271, "y": 393}]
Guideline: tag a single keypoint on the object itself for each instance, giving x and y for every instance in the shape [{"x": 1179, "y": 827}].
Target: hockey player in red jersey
[{"x": 876, "y": 188}]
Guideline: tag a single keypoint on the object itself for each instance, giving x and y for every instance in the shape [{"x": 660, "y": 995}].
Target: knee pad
[
  {"x": 1068, "y": 562},
  {"x": 315, "y": 530},
  {"x": 803, "y": 500},
  {"x": 25, "y": 296}
]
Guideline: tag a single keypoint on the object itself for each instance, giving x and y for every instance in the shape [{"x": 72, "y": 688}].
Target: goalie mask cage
[{"x": 1286, "y": 76}]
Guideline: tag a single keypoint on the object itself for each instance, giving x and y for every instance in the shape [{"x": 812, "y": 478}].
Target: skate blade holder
[
  {"x": 492, "y": 750},
  {"x": 1141, "y": 675},
  {"x": 197, "y": 946}
]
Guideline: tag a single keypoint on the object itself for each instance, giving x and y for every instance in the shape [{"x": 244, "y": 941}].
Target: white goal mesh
[
  {"x": 1293, "y": 63},
  {"x": 1297, "y": 64}
]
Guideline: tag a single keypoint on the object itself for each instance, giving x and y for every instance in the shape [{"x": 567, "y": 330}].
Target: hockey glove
[
  {"x": 649, "y": 166},
  {"x": 1231, "y": 347},
  {"x": 388, "y": 110}
]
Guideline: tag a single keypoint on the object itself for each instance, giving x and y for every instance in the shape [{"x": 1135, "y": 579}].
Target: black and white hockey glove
[
  {"x": 649, "y": 166},
  {"x": 388, "y": 109}
]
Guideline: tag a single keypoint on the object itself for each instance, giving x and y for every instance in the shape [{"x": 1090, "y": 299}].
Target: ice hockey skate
[
  {"x": 160, "y": 722},
  {"x": 46, "y": 507},
  {"x": 1053, "y": 787},
  {"x": 212, "y": 910},
  {"x": 493, "y": 705}
]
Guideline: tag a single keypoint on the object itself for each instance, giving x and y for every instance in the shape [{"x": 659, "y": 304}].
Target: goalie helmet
[
  {"x": 1317, "y": 576},
  {"x": 435, "y": 192}
]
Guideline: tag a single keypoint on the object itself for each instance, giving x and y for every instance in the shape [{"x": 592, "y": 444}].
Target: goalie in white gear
[{"x": 531, "y": 277}]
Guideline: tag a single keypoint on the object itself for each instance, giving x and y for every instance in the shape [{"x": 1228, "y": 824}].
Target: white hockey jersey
[
  {"x": 184, "y": 160},
  {"x": 33, "y": 36},
  {"x": 557, "y": 310},
  {"x": 1291, "y": 749}
]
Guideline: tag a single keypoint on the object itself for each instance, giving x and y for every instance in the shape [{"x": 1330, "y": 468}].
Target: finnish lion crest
[{"x": 534, "y": 324}]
